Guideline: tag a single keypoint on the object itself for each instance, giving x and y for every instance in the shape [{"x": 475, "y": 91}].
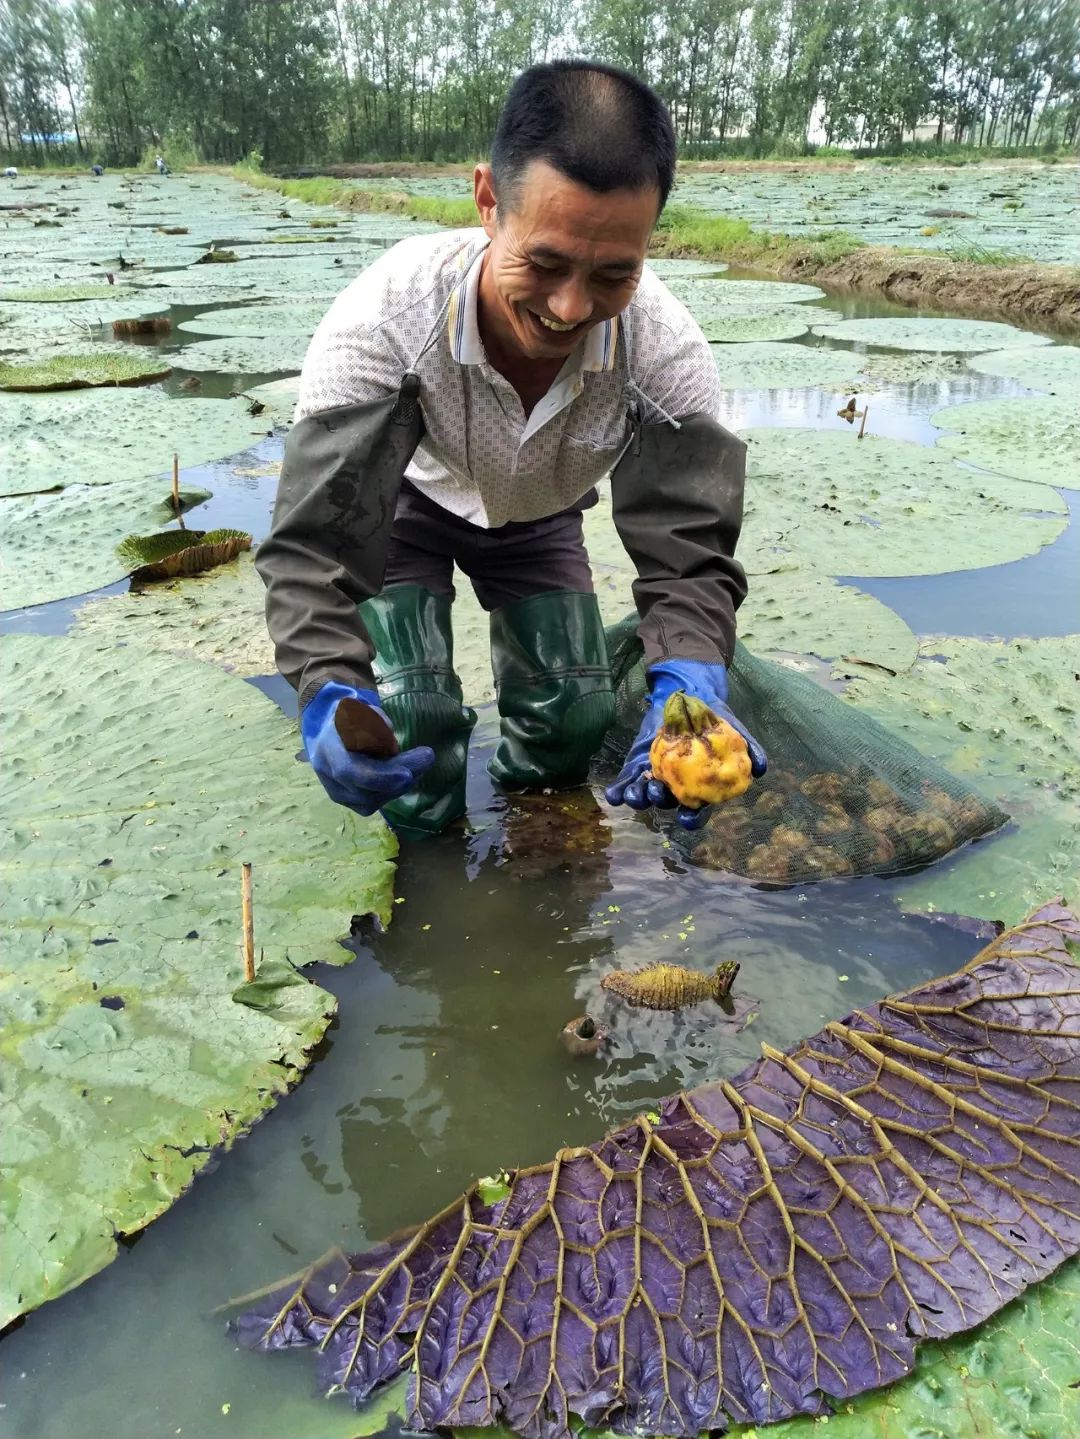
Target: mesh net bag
[{"x": 842, "y": 795}]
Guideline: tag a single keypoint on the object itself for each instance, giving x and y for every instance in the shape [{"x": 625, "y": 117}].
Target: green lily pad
[
  {"x": 735, "y": 324},
  {"x": 100, "y": 437},
  {"x": 86, "y": 371},
  {"x": 180, "y": 294},
  {"x": 217, "y": 617},
  {"x": 680, "y": 269},
  {"x": 37, "y": 566},
  {"x": 1055, "y": 368},
  {"x": 300, "y": 276},
  {"x": 782, "y": 367},
  {"x": 804, "y": 613},
  {"x": 126, "y": 1062},
  {"x": 281, "y": 396},
  {"x": 882, "y": 507},
  {"x": 1036, "y": 439},
  {"x": 928, "y": 333},
  {"x": 260, "y": 320},
  {"x": 245, "y": 354},
  {"x": 702, "y": 297},
  {"x": 1006, "y": 714},
  {"x": 37, "y": 328},
  {"x": 53, "y": 294},
  {"x": 907, "y": 367}
]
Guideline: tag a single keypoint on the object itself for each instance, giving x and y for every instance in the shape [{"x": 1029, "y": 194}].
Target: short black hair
[{"x": 594, "y": 123}]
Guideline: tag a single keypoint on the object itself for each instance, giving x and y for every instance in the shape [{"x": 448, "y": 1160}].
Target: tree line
[{"x": 313, "y": 81}]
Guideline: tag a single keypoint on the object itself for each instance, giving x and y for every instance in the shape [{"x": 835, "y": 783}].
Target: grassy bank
[{"x": 1046, "y": 296}]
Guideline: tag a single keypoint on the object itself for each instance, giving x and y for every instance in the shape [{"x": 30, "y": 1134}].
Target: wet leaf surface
[{"x": 120, "y": 856}]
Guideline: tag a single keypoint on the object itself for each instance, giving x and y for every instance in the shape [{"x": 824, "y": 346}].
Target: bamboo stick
[
  {"x": 176, "y": 489},
  {"x": 248, "y": 923},
  {"x": 865, "y": 412}
]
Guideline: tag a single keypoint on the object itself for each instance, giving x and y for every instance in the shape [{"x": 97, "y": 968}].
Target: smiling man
[{"x": 458, "y": 404}]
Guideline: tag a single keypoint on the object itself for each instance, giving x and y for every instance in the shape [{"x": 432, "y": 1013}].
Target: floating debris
[{"x": 670, "y": 986}]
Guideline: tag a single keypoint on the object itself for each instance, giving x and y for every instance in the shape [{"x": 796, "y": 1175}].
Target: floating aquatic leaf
[
  {"x": 98, "y": 437},
  {"x": 752, "y": 324},
  {"x": 37, "y": 566},
  {"x": 80, "y": 372},
  {"x": 680, "y": 269},
  {"x": 1005, "y": 715},
  {"x": 1055, "y": 368},
  {"x": 764, "y": 366},
  {"x": 766, "y": 1247},
  {"x": 217, "y": 617},
  {"x": 703, "y": 297},
  {"x": 120, "y": 853},
  {"x": 244, "y": 354},
  {"x": 1036, "y": 439},
  {"x": 878, "y": 506},
  {"x": 54, "y": 294},
  {"x": 928, "y": 333},
  {"x": 260, "y": 320}
]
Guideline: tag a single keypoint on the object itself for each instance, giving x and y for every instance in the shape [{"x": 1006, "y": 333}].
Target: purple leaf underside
[{"x": 772, "y": 1245}]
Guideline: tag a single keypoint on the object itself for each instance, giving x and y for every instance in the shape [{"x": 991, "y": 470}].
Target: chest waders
[{"x": 677, "y": 505}]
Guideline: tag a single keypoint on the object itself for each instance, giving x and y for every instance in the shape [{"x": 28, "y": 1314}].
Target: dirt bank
[{"x": 1042, "y": 296}]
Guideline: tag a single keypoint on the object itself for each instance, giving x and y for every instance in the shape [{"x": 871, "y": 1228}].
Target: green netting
[{"x": 842, "y": 796}]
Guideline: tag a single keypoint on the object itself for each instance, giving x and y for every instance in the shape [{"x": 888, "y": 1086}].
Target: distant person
[
  {"x": 97, "y": 169},
  {"x": 160, "y": 165},
  {"x": 10, "y": 172},
  {"x": 458, "y": 404}
]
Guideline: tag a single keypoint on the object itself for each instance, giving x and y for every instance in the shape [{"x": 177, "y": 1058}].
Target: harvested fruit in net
[{"x": 699, "y": 756}]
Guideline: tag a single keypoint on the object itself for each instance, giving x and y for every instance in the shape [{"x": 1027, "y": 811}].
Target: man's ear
[{"x": 484, "y": 196}]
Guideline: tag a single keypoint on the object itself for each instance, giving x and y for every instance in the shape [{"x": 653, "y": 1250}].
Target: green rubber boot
[
  {"x": 421, "y": 694},
  {"x": 554, "y": 686}
]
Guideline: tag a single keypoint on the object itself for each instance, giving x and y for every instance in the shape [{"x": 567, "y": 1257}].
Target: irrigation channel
[{"x": 443, "y": 1061}]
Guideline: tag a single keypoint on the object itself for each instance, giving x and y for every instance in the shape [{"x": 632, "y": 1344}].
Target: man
[{"x": 458, "y": 403}]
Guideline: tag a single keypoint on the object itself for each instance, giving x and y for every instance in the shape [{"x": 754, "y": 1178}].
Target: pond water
[{"x": 443, "y": 1062}]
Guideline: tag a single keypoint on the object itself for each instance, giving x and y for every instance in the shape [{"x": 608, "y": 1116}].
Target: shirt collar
[{"x": 597, "y": 354}]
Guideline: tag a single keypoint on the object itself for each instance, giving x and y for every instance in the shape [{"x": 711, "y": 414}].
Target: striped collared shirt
[{"x": 481, "y": 458}]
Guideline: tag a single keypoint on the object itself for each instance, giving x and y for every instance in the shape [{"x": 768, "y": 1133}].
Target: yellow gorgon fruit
[{"x": 699, "y": 756}]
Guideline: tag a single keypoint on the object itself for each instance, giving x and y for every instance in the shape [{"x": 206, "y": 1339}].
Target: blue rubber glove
[
  {"x": 704, "y": 682},
  {"x": 358, "y": 781}
]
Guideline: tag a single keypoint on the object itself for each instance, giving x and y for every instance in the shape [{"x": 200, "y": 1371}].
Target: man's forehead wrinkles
[{"x": 617, "y": 262}]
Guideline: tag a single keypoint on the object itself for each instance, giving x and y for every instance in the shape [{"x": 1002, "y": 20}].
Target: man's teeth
[{"x": 553, "y": 324}]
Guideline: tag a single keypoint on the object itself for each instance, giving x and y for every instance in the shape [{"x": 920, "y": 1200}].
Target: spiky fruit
[
  {"x": 699, "y": 756},
  {"x": 670, "y": 986}
]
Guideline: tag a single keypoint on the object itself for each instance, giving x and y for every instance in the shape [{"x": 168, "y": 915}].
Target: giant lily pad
[
  {"x": 928, "y": 333},
  {"x": 126, "y": 1061},
  {"x": 245, "y": 354},
  {"x": 681, "y": 269},
  {"x": 64, "y": 543},
  {"x": 1055, "y": 368},
  {"x": 1007, "y": 715},
  {"x": 780, "y": 367},
  {"x": 100, "y": 437},
  {"x": 702, "y": 296},
  {"x": 733, "y": 324},
  {"x": 753, "y": 1249},
  {"x": 299, "y": 276},
  {"x": 218, "y": 617},
  {"x": 260, "y": 320},
  {"x": 85, "y": 371},
  {"x": 882, "y": 507},
  {"x": 1036, "y": 439}
]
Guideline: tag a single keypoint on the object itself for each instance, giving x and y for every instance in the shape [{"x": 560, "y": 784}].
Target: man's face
[{"x": 562, "y": 259}]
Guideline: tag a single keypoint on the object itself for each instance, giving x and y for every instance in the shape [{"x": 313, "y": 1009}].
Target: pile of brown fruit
[{"x": 791, "y": 827}]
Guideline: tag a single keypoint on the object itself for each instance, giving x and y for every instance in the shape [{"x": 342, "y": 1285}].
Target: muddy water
[{"x": 444, "y": 1061}]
